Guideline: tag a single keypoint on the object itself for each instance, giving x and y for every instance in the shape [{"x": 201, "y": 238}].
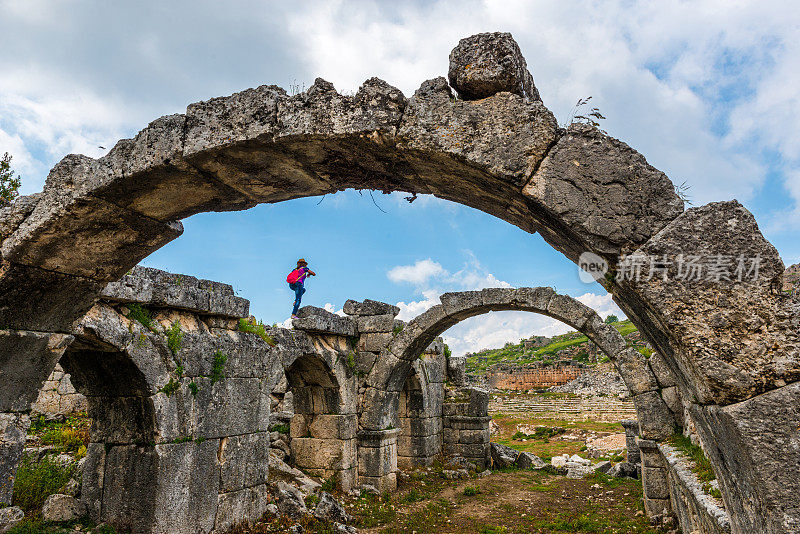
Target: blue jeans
[{"x": 298, "y": 289}]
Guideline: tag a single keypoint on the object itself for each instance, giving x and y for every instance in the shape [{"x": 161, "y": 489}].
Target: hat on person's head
[{"x": 301, "y": 260}]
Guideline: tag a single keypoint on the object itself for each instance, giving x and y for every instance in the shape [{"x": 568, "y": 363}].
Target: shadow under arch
[{"x": 121, "y": 461}]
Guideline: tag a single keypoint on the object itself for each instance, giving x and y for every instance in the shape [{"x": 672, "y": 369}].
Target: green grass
[
  {"x": 281, "y": 428},
  {"x": 257, "y": 328},
  {"x": 471, "y": 491},
  {"x": 141, "y": 315},
  {"x": 375, "y": 511},
  {"x": 38, "y": 480},
  {"x": 702, "y": 466},
  {"x": 170, "y": 387},
  {"x": 70, "y": 436},
  {"x": 426, "y": 520}
]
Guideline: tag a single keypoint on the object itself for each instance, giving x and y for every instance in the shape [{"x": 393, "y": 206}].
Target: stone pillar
[
  {"x": 631, "y": 432},
  {"x": 654, "y": 478},
  {"x": 377, "y": 458},
  {"x": 466, "y": 426},
  {"x": 13, "y": 428}
]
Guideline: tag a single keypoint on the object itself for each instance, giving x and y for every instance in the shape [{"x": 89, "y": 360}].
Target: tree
[
  {"x": 9, "y": 184},
  {"x": 612, "y": 319}
]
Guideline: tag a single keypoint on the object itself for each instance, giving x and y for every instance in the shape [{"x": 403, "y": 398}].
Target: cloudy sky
[{"x": 706, "y": 90}]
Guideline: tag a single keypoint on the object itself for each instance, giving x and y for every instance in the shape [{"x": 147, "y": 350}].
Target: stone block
[
  {"x": 228, "y": 407},
  {"x": 333, "y": 324},
  {"x": 612, "y": 199},
  {"x": 26, "y": 360},
  {"x": 313, "y": 453},
  {"x": 375, "y": 323},
  {"x": 87, "y": 237},
  {"x": 655, "y": 507},
  {"x": 654, "y": 482},
  {"x": 332, "y": 426},
  {"x": 655, "y": 420},
  {"x": 39, "y": 300},
  {"x": 374, "y": 341},
  {"x": 369, "y": 307},
  {"x": 662, "y": 371},
  {"x": 13, "y": 429},
  {"x": 243, "y": 461},
  {"x": 242, "y": 506},
  {"x": 633, "y": 368},
  {"x": 458, "y": 302},
  {"x": 473, "y": 436}
]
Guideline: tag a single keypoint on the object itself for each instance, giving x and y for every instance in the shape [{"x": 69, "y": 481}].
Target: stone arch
[
  {"x": 500, "y": 152},
  {"x": 392, "y": 368},
  {"x": 323, "y": 427}
]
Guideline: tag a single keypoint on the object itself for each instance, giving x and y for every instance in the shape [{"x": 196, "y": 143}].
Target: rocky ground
[{"x": 548, "y": 476}]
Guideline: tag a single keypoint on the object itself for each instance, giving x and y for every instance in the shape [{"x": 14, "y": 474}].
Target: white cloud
[{"x": 417, "y": 274}]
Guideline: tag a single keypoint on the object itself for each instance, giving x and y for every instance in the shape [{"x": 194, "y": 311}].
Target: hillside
[{"x": 572, "y": 345}]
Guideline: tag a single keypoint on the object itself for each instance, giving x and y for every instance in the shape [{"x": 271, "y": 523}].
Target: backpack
[{"x": 294, "y": 276}]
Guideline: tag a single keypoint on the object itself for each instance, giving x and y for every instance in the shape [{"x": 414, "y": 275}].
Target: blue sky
[{"x": 706, "y": 90}]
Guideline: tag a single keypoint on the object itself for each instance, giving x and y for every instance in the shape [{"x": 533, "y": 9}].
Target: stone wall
[
  {"x": 58, "y": 396},
  {"x": 608, "y": 409},
  {"x": 466, "y": 425},
  {"x": 523, "y": 378}
]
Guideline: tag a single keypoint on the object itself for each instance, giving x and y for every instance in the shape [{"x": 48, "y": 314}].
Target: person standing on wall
[{"x": 295, "y": 280}]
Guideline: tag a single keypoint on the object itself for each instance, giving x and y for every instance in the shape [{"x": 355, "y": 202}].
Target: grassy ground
[{"x": 547, "y": 447}]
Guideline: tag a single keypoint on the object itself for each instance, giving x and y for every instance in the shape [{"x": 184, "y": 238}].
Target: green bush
[
  {"x": 38, "y": 480},
  {"x": 256, "y": 328},
  {"x": 471, "y": 491},
  {"x": 174, "y": 338},
  {"x": 218, "y": 367},
  {"x": 140, "y": 314}
]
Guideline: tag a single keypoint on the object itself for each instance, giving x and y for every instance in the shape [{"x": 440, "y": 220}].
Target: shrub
[
  {"x": 471, "y": 491},
  {"x": 256, "y": 328},
  {"x": 218, "y": 367},
  {"x": 174, "y": 338},
  {"x": 38, "y": 480},
  {"x": 141, "y": 315},
  {"x": 194, "y": 388},
  {"x": 612, "y": 319},
  {"x": 170, "y": 387}
]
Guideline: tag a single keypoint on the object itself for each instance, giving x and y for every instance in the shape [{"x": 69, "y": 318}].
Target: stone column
[
  {"x": 377, "y": 458},
  {"x": 466, "y": 426},
  {"x": 654, "y": 478},
  {"x": 631, "y": 431}
]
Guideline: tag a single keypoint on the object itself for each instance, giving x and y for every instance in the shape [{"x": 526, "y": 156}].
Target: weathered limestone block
[
  {"x": 631, "y": 431},
  {"x": 753, "y": 446},
  {"x": 332, "y": 426},
  {"x": 694, "y": 508},
  {"x": 162, "y": 289},
  {"x": 569, "y": 310},
  {"x": 489, "y": 63},
  {"x": 605, "y": 191},
  {"x": 314, "y": 453},
  {"x": 455, "y": 303},
  {"x": 229, "y": 407},
  {"x": 655, "y": 419},
  {"x": 374, "y": 341},
  {"x": 456, "y": 370},
  {"x": 247, "y": 355},
  {"x": 26, "y": 360},
  {"x": 327, "y": 323},
  {"x": 633, "y": 368},
  {"x": 375, "y": 323},
  {"x": 12, "y": 215},
  {"x": 243, "y": 461},
  {"x": 729, "y": 339},
  {"x": 521, "y": 131},
  {"x": 87, "y": 237},
  {"x": 241, "y": 506},
  {"x": 377, "y": 458},
  {"x": 13, "y": 429},
  {"x": 40, "y": 300},
  {"x": 660, "y": 368},
  {"x": 369, "y": 307}
]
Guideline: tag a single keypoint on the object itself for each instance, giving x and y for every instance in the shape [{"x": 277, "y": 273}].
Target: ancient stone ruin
[{"x": 728, "y": 353}]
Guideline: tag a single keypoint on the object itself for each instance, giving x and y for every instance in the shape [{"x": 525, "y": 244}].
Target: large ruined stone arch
[{"x": 732, "y": 346}]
